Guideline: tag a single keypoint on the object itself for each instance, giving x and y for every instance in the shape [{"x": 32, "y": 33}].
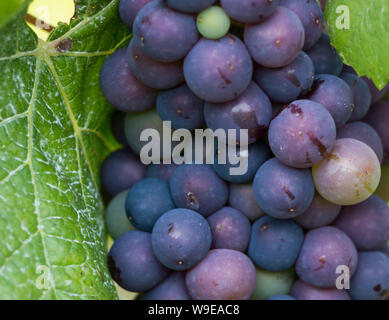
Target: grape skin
[
  {"x": 218, "y": 70},
  {"x": 304, "y": 291},
  {"x": 161, "y": 171},
  {"x": 376, "y": 94},
  {"x": 128, "y": 9},
  {"x": 190, "y": 6},
  {"x": 277, "y": 41},
  {"x": 350, "y": 173},
  {"x": 213, "y": 23}
]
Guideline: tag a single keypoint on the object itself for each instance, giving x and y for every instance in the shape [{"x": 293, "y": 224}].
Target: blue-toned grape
[
  {"x": 251, "y": 110},
  {"x": 320, "y": 213},
  {"x": 325, "y": 58},
  {"x": 371, "y": 280},
  {"x": 161, "y": 171},
  {"x": 146, "y": 201},
  {"x": 302, "y": 134},
  {"x": 311, "y": 16},
  {"x": 197, "y": 187},
  {"x": 115, "y": 216},
  {"x": 274, "y": 243},
  {"x": 128, "y": 9},
  {"x": 172, "y": 288},
  {"x": 120, "y": 171},
  {"x": 385, "y": 249},
  {"x": 222, "y": 275},
  {"x": 361, "y": 94},
  {"x": 132, "y": 263},
  {"x": 230, "y": 229},
  {"x": 277, "y": 41},
  {"x": 335, "y": 95},
  {"x": 242, "y": 198},
  {"x": 181, "y": 238},
  {"x": 249, "y": 11},
  {"x": 304, "y": 291},
  {"x": 367, "y": 223},
  {"x": 283, "y": 192},
  {"x": 255, "y": 155},
  {"x": 164, "y": 34},
  {"x": 285, "y": 84},
  {"x": 190, "y": 6},
  {"x": 120, "y": 87},
  {"x": 365, "y": 133},
  {"x": 181, "y": 107},
  {"x": 323, "y": 250},
  {"x": 152, "y": 73},
  {"x": 218, "y": 70}
]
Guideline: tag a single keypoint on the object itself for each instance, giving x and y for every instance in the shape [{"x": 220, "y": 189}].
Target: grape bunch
[{"x": 317, "y": 135}]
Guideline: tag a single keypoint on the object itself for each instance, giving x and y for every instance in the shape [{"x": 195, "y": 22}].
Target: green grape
[{"x": 213, "y": 23}]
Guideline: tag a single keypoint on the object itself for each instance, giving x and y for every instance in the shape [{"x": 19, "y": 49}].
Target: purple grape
[
  {"x": 255, "y": 155},
  {"x": 367, "y": 223},
  {"x": 132, "y": 263},
  {"x": 181, "y": 107},
  {"x": 277, "y": 41},
  {"x": 117, "y": 127},
  {"x": 283, "y": 192},
  {"x": 164, "y": 34},
  {"x": 222, "y": 275},
  {"x": 152, "y": 73},
  {"x": 320, "y": 213},
  {"x": 190, "y": 6},
  {"x": 335, "y": 95},
  {"x": 128, "y": 9},
  {"x": 120, "y": 87},
  {"x": 146, "y": 201},
  {"x": 304, "y": 291},
  {"x": 323, "y": 4},
  {"x": 365, "y": 133},
  {"x": 361, "y": 94},
  {"x": 378, "y": 118},
  {"x": 350, "y": 173},
  {"x": 311, "y": 17},
  {"x": 249, "y": 11},
  {"x": 230, "y": 229},
  {"x": 161, "y": 171},
  {"x": 120, "y": 171},
  {"x": 172, "y": 288},
  {"x": 218, "y": 70},
  {"x": 181, "y": 238},
  {"x": 376, "y": 94},
  {"x": 242, "y": 198},
  {"x": 325, "y": 58},
  {"x": 385, "y": 249},
  {"x": 251, "y": 110},
  {"x": 285, "y": 84},
  {"x": 371, "y": 280},
  {"x": 275, "y": 244},
  {"x": 323, "y": 250},
  {"x": 302, "y": 134},
  {"x": 197, "y": 187}
]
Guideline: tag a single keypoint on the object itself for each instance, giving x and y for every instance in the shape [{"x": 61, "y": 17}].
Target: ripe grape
[
  {"x": 222, "y": 275},
  {"x": 181, "y": 107},
  {"x": 251, "y": 110},
  {"x": 213, "y": 23},
  {"x": 376, "y": 94},
  {"x": 164, "y": 34},
  {"x": 190, "y": 6},
  {"x": 120, "y": 87},
  {"x": 181, "y": 238},
  {"x": 283, "y": 192},
  {"x": 304, "y": 291},
  {"x": 275, "y": 244},
  {"x": 218, "y": 70},
  {"x": 230, "y": 229},
  {"x": 323, "y": 250},
  {"x": 349, "y": 174},
  {"x": 249, "y": 11},
  {"x": 285, "y": 84},
  {"x": 302, "y": 134},
  {"x": 132, "y": 263},
  {"x": 277, "y": 41},
  {"x": 161, "y": 171},
  {"x": 128, "y": 9}
]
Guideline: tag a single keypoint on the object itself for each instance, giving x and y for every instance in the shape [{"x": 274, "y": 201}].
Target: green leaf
[
  {"x": 365, "y": 45},
  {"x": 10, "y": 8},
  {"x": 54, "y": 134}
]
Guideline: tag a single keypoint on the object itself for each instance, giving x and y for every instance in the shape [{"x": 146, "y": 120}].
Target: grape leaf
[
  {"x": 365, "y": 44},
  {"x": 9, "y": 9},
  {"x": 54, "y": 134}
]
